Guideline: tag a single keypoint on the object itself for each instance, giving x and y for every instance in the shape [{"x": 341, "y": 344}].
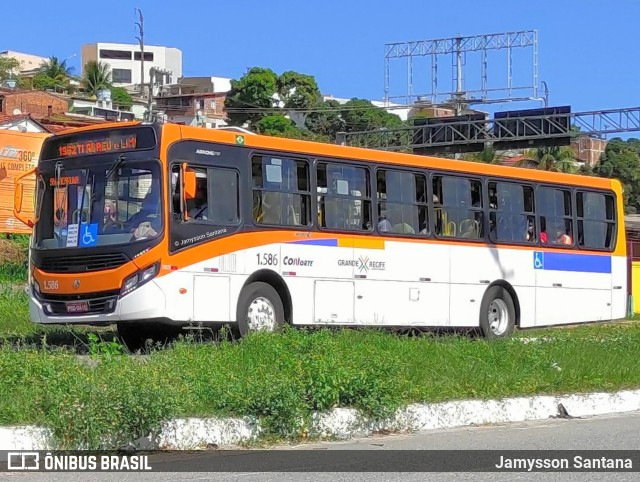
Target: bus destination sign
[{"x": 98, "y": 146}]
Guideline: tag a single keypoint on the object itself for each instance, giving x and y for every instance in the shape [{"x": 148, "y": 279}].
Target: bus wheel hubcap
[
  {"x": 261, "y": 315},
  {"x": 498, "y": 317}
]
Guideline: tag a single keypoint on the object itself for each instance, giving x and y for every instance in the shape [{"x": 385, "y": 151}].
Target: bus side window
[
  {"x": 196, "y": 207},
  {"x": 511, "y": 213},
  {"x": 554, "y": 206},
  {"x": 596, "y": 220},
  {"x": 344, "y": 197},
  {"x": 281, "y": 191},
  {"x": 402, "y": 202},
  {"x": 176, "y": 209},
  {"x": 460, "y": 212}
]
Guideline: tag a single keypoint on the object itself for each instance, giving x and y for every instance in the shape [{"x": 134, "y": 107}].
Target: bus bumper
[{"x": 146, "y": 302}]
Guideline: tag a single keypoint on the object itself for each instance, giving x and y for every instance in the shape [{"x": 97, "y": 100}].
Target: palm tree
[
  {"x": 556, "y": 158},
  {"x": 97, "y": 76},
  {"x": 56, "y": 69},
  {"x": 59, "y": 73},
  {"x": 488, "y": 155}
]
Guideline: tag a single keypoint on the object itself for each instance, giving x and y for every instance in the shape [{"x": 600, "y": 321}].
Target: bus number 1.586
[{"x": 267, "y": 259}]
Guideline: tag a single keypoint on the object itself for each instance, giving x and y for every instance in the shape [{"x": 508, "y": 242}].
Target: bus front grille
[{"x": 83, "y": 264}]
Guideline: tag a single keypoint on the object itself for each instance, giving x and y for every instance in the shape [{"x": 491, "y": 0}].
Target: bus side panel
[
  {"x": 619, "y": 292},
  {"x": 573, "y": 287},
  {"x": 178, "y": 292},
  {"x": 401, "y": 283},
  {"x": 474, "y": 268}
]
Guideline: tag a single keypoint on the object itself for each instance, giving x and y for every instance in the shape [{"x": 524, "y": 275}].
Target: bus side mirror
[
  {"x": 189, "y": 180},
  {"x": 18, "y": 197},
  {"x": 188, "y": 188}
]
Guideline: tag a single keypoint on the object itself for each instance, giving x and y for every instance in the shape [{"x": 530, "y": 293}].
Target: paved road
[{"x": 597, "y": 433}]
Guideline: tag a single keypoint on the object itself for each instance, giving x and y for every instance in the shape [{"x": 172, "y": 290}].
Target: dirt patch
[{"x": 13, "y": 253}]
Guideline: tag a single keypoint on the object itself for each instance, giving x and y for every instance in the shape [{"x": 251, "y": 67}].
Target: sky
[{"x": 588, "y": 52}]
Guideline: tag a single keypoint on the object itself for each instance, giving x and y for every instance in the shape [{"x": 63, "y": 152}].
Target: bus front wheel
[
  {"x": 497, "y": 313},
  {"x": 259, "y": 309}
]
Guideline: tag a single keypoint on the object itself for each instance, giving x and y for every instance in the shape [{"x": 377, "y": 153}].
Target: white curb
[{"x": 344, "y": 423}]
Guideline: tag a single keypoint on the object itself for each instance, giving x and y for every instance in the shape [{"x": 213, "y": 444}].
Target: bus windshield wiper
[{"x": 119, "y": 161}]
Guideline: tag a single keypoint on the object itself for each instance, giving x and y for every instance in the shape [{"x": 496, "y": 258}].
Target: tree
[
  {"x": 41, "y": 81},
  {"x": 362, "y": 115},
  {"x": 325, "y": 119},
  {"x": 97, "y": 76},
  {"x": 298, "y": 91},
  {"x": 54, "y": 75},
  {"x": 121, "y": 98},
  {"x": 9, "y": 68},
  {"x": 621, "y": 160},
  {"x": 252, "y": 97},
  {"x": 488, "y": 155},
  {"x": 555, "y": 158},
  {"x": 55, "y": 69},
  {"x": 276, "y": 125}
]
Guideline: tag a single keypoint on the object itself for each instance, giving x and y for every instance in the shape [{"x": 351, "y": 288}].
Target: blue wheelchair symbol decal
[
  {"x": 538, "y": 260},
  {"x": 89, "y": 235}
]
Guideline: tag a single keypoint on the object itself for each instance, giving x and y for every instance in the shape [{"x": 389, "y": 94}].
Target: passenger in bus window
[
  {"x": 149, "y": 207},
  {"x": 476, "y": 199},
  {"x": 146, "y": 222},
  {"x": 564, "y": 238},
  {"x": 384, "y": 225},
  {"x": 110, "y": 213},
  {"x": 493, "y": 199},
  {"x": 543, "y": 230},
  {"x": 469, "y": 229},
  {"x": 531, "y": 230}
]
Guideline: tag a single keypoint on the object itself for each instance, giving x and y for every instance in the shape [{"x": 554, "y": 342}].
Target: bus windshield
[{"x": 98, "y": 205}]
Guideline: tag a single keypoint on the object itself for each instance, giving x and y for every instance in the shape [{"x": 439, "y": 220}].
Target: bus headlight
[
  {"x": 138, "y": 279},
  {"x": 36, "y": 287}
]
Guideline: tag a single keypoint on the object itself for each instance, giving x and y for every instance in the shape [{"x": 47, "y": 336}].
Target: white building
[
  {"x": 28, "y": 62},
  {"x": 125, "y": 61}
]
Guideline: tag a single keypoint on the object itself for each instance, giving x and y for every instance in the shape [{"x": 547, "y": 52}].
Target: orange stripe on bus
[{"x": 241, "y": 241}]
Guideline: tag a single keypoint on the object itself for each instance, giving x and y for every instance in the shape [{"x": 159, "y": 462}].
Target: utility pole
[
  {"x": 154, "y": 74},
  {"x": 140, "y": 25}
]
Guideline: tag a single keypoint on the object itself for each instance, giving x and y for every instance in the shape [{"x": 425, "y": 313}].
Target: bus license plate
[{"x": 77, "y": 307}]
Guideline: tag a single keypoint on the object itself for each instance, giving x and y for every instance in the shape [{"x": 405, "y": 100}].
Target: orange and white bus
[{"x": 144, "y": 225}]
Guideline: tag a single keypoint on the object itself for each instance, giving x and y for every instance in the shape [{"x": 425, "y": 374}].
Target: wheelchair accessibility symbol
[
  {"x": 538, "y": 260},
  {"x": 89, "y": 235}
]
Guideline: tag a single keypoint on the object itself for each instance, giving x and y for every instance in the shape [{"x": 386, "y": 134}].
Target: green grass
[
  {"x": 14, "y": 311},
  {"x": 13, "y": 273},
  {"x": 283, "y": 378}
]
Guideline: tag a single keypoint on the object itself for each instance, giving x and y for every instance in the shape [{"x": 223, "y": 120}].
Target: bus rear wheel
[
  {"x": 259, "y": 309},
  {"x": 497, "y": 314}
]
